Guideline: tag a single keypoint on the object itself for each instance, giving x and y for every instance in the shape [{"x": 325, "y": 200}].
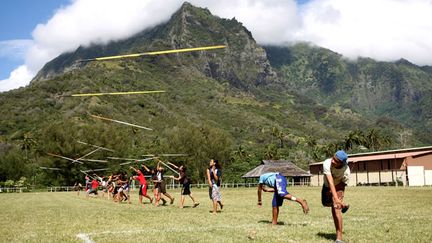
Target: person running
[
  {"x": 156, "y": 187},
  {"x": 336, "y": 176},
  {"x": 87, "y": 184},
  {"x": 78, "y": 187},
  {"x": 143, "y": 183},
  {"x": 214, "y": 177},
  {"x": 182, "y": 178},
  {"x": 123, "y": 191},
  {"x": 276, "y": 183},
  {"x": 162, "y": 185},
  {"x": 94, "y": 187}
]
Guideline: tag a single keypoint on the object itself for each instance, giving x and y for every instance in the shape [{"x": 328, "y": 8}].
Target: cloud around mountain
[{"x": 385, "y": 30}]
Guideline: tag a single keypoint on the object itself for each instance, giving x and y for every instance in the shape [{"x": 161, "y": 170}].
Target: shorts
[
  {"x": 280, "y": 191},
  {"x": 215, "y": 193},
  {"x": 124, "y": 189},
  {"x": 186, "y": 189},
  {"x": 162, "y": 187},
  {"x": 327, "y": 197},
  {"x": 143, "y": 190},
  {"x": 94, "y": 191}
]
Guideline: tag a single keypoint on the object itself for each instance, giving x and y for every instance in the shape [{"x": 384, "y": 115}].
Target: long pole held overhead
[
  {"x": 47, "y": 168},
  {"x": 95, "y": 146},
  {"x": 164, "y": 155},
  {"x": 168, "y": 166},
  {"x": 66, "y": 158},
  {"x": 136, "y": 160},
  {"x": 119, "y": 93},
  {"x": 203, "y": 48},
  {"x": 95, "y": 160},
  {"x": 82, "y": 157},
  {"x": 121, "y": 122}
]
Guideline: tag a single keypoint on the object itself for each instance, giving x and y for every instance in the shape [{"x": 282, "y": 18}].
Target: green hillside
[
  {"x": 240, "y": 104},
  {"x": 398, "y": 92}
]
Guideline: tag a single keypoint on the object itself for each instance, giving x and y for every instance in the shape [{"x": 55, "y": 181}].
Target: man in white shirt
[{"x": 336, "y": 175}]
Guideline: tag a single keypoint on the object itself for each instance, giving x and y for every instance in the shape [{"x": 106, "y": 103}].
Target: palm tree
[
  {"x": 355, "y": 137},
  {"x": 27, "y": 143}
]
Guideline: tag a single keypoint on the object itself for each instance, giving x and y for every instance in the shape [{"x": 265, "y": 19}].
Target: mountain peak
[{"x": 242, "y": 63}]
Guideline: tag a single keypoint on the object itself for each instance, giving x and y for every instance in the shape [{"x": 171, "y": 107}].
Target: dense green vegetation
[{"x": 300, "y": 104}]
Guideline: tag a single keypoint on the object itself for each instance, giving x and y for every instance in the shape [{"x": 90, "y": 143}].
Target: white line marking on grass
[{"x": 86, "y": 237}]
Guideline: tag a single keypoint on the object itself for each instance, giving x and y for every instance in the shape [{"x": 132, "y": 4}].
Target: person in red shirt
[
  {"x": 143, "y": 184},
  {"x": 94, "y": 187}
]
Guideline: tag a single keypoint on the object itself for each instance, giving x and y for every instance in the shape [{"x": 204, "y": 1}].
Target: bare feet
[{"x": 305, "y": 206}]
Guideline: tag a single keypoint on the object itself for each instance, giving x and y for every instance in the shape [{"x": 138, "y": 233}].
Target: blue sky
[
  {"x": 18, "y": 18},
  {"x": 34, "y": 32}
]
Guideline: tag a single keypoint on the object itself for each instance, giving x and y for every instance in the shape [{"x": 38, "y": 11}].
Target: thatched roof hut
[{"x": 285, "y": 167}]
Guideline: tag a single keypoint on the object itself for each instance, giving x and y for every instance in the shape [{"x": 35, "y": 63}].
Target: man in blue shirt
[{"x": 275, "y": 182}]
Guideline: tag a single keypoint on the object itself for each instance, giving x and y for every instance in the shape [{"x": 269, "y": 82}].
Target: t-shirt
[
  {"x": 268, "y": 179},
  {"x": 183, "y": 179},
  {"x": 213, "y": 179},
  {"x": 339, "y": 175},
  {"x": 142, "y": 180},
  {"x": 159, "y": 175},
  {"x": 95, "y": 184}
]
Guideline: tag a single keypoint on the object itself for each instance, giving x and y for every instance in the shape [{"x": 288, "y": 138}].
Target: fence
[
  {"x": 135, "y": 186},
  {"x": 13, "y": 189}
]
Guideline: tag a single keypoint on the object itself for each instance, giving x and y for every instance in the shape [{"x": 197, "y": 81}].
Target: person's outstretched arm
[
  {"x": 173, "y": 165},
  {"x": 332, "y": 187},
  {"x": 260, "y": 188}
]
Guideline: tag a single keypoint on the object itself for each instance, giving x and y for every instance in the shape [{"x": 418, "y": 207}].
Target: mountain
[
  {"x": 399, "y": 90},
  {"x": 239, "y": 104}
]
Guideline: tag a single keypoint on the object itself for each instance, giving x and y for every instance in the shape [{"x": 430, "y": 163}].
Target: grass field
[{"x": 382, "y": 214}]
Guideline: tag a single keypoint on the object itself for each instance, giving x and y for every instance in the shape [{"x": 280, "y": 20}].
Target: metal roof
[{"x": 386, "y": 156}]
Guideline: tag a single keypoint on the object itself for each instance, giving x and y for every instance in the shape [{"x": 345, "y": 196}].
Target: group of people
[
  {"x": 117, "y": 187},
  {"x": 336, "y": 171}
]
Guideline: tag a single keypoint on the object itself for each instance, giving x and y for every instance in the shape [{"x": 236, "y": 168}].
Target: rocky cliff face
[{"x": 243, "y": 63}]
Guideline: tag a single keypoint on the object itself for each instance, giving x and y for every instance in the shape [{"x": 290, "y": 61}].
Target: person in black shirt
[{"x": 182, "y": 178}]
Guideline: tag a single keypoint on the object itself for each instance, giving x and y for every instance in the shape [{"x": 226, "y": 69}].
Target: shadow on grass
[
  {"x": 269, "y": 222},
  {"x": 283, "y": 223},
  {"x": 328, "y": 236},
  {"x": 216, "y": 211}
]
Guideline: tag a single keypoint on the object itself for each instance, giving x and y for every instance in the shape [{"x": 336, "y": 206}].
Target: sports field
[{"x": 376, "y": 215}]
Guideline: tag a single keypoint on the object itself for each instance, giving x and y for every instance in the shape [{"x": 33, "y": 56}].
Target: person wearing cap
[{"x": 336, "y": 175}]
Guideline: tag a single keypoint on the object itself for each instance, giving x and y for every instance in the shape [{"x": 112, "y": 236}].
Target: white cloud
[
  {"x": 385, "y": 30},
  {"x": 270, "y": 21},
  {"x": 15, "y": 49},
  {"x": 19, "y": 77}
]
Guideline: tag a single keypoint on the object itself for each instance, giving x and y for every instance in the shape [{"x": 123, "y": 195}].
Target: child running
[
  {"x": 143, "y": 183},
  {"x": 162, "y": 186},
  {"x": 277, "y": 184},
  {"x": 182, "y": 178},
  {"x": 94, "y": 187}
]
